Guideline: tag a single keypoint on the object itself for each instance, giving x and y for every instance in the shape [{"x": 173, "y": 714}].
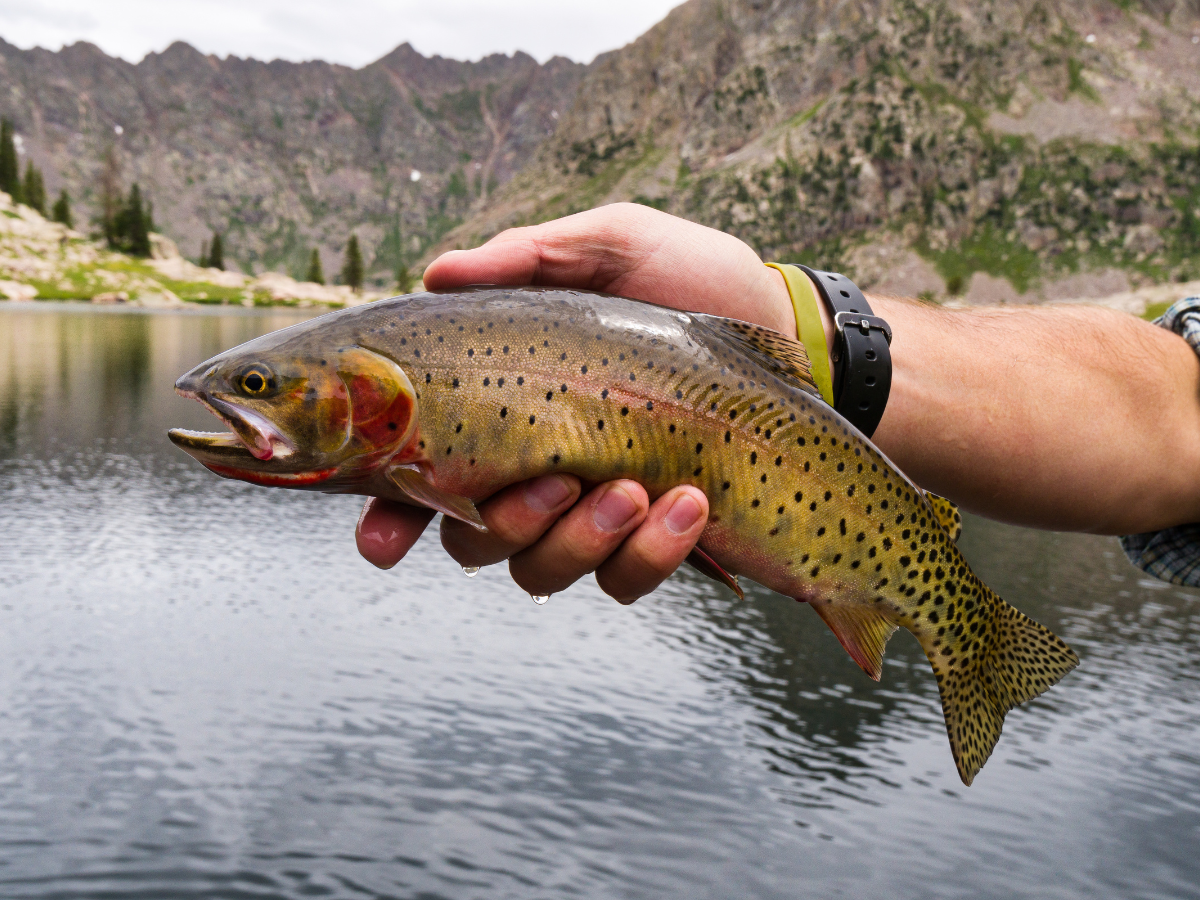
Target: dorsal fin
[
  {"x": 778, "y": 353},
  {"x": 946, "y": 513}
]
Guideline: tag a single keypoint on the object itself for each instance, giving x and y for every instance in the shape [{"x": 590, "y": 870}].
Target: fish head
[{"x": 300, "y": 414}]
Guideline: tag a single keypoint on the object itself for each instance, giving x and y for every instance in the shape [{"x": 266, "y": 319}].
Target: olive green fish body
[{"x": 509, "y": 384}]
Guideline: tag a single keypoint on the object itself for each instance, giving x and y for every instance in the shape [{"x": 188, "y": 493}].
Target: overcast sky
[{"x": 353, "y": 32}]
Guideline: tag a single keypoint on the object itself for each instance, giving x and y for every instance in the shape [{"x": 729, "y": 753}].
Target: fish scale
[{"x": 510, "y": 384}]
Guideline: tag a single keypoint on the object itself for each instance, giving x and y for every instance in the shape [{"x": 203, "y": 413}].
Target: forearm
[{"x": 1065, "y": 418}]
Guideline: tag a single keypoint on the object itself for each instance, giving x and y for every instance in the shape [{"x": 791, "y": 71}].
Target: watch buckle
[{"x": 863, "y": 323}]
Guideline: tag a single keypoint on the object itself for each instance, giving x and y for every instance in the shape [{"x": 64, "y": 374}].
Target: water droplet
[
  {"x": 470, "y": 571},
  {"x": 539, "y": 599}
]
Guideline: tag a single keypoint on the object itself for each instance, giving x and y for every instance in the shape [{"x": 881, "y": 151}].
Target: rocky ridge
[
  {"x": 992, "y": 151},
  {"x": 1000, "y": 150},
  {"x": 281, "y": 157}
]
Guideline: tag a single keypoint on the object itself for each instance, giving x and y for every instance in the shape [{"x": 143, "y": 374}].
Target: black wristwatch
[{"x": 862, "y": 360}]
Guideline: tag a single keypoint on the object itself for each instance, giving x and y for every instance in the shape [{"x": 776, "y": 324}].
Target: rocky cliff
[
  {"x": 281, "y": 156},
  {"x": 947, "y": 147}
]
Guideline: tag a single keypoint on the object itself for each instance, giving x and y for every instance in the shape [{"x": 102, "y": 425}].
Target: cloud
[{"x": 353, "y": 34}]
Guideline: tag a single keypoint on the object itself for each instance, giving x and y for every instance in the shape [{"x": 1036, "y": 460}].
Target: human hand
[{"x": 549, "y": 538}]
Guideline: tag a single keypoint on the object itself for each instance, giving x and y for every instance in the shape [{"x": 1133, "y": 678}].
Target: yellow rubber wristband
[{"x": 808, "y": 326}]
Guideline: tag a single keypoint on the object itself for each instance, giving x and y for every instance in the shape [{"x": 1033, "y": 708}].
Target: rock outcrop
[{"x": 941, "y": 147}]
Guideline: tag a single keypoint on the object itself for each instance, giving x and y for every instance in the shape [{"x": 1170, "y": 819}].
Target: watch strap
[
  {"x": 861, "y": 358},
  {"x": 808, "y": 326}
]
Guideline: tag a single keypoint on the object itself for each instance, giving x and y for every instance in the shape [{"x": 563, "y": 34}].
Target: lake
[{"x": 207, "y": 693}]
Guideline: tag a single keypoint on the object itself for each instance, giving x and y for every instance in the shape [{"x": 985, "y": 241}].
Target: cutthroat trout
[{"x": 440, "y": 400}]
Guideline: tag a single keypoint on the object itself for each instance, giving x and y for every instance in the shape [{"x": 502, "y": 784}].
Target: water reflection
[{"x": 208, "y": 694}]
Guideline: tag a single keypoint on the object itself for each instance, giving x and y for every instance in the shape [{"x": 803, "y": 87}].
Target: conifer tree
[
  {"x": 404, "y": 279},
  {"x": 10, "y": 174},
  {"x": 315, "y": 273},
  {"x": 110, "y": 196},
  {"x": 203, "y": 255},
  {"x": 216, "y": 253},
  {"x": 33, "y": 189},
  {"x": 62, "y": 210},
  {"x": 129, "y": 229},
  {"x": 352, "y": 267}
]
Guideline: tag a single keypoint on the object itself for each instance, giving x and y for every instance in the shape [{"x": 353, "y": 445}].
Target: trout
[{"x": 442, "y": 399}]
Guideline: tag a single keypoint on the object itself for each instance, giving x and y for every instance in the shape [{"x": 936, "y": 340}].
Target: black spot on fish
[
  {"x": 629, "y": 444},
  {"x": 391, "y": 426},
  {"x": 649, "y": 404},
  {"x": 503, "y": 411},
  {"x": 454, "y": 383},
  {"x": 520, "y": 380},
  {"x": 699, "y": 447},
  {"x": 754, "y": 502},
  {"x": 458, "y": 428}
]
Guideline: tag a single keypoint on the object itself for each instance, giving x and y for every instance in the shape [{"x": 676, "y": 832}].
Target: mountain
[
  {"x": 985, "y": 147},
  {"x": 280, "y": 156},
  {"x": 946, "y": 147}
]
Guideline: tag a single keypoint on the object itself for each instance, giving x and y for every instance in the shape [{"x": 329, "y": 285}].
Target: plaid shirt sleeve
[{"x": 1174, "y": 553}]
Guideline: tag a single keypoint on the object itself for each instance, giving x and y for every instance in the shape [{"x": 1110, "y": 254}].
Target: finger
[
  {"x": 658, "y": 547},
  {"x": 582, "y": 539},
  {"x": 515, "y": 518},
  {"x": 386, "y": 530},
  {"x": 631, "y": 250}
]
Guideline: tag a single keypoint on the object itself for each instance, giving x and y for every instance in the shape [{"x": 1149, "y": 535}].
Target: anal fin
[
  {"x": 418, "y": 490},
  {"x": 861, "y": 630},
  {"x": 706, "y": 565}
]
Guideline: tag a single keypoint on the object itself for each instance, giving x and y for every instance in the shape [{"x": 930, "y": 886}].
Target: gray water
[{"x": 207, "y": 693}]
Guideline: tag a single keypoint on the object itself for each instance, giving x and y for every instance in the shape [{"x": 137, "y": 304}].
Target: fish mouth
[{"x": 251, "y": 433}]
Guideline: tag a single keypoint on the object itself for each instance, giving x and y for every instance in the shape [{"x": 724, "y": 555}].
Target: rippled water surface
[{"x": 207, "y": 693}]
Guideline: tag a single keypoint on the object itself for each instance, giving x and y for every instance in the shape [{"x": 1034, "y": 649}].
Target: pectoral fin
[
  {"x": 418, "y": 490},
  {"x": 862, "y": 631},
  {"x": 706, "y": 565}
]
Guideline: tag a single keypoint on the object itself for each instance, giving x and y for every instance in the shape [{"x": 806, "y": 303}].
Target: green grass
[
  {"x": 1154, "y": 310},
  {"x": 985, "y": 251}
]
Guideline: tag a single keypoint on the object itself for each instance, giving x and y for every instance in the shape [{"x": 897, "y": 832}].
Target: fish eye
[{"x": 255, "y": 381}]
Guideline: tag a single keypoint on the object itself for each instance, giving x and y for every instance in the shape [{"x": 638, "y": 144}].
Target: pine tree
[
  {"x": 404, "y": 279},
  {"x": 139, "y": 230},
  {"x": 129, "y": 229},
  {"x": 203, "y": 255},
  {"x": 352, "y": 267},
  {"x": 33, "y": 189},
  {"x": 315, "y": 273},
  {"x": 110, "y": 196},
  {"x": 62, "y": 210},
  {"x": 10, "y": 174},
  {"x": 216, "y": 253}
]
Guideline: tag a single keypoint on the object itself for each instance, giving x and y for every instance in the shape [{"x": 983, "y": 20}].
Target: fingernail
[
  {"x": 547, "y": 493},
  {"x": 613, "y": 510},
  {"x": 683, "y": 514}
]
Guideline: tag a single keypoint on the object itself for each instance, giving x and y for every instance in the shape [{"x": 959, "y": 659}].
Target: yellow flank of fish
[{"x": 505, "y": 384}]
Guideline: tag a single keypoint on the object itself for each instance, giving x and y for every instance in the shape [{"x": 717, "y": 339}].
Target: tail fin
[{"x": 1018, "y": 660}]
